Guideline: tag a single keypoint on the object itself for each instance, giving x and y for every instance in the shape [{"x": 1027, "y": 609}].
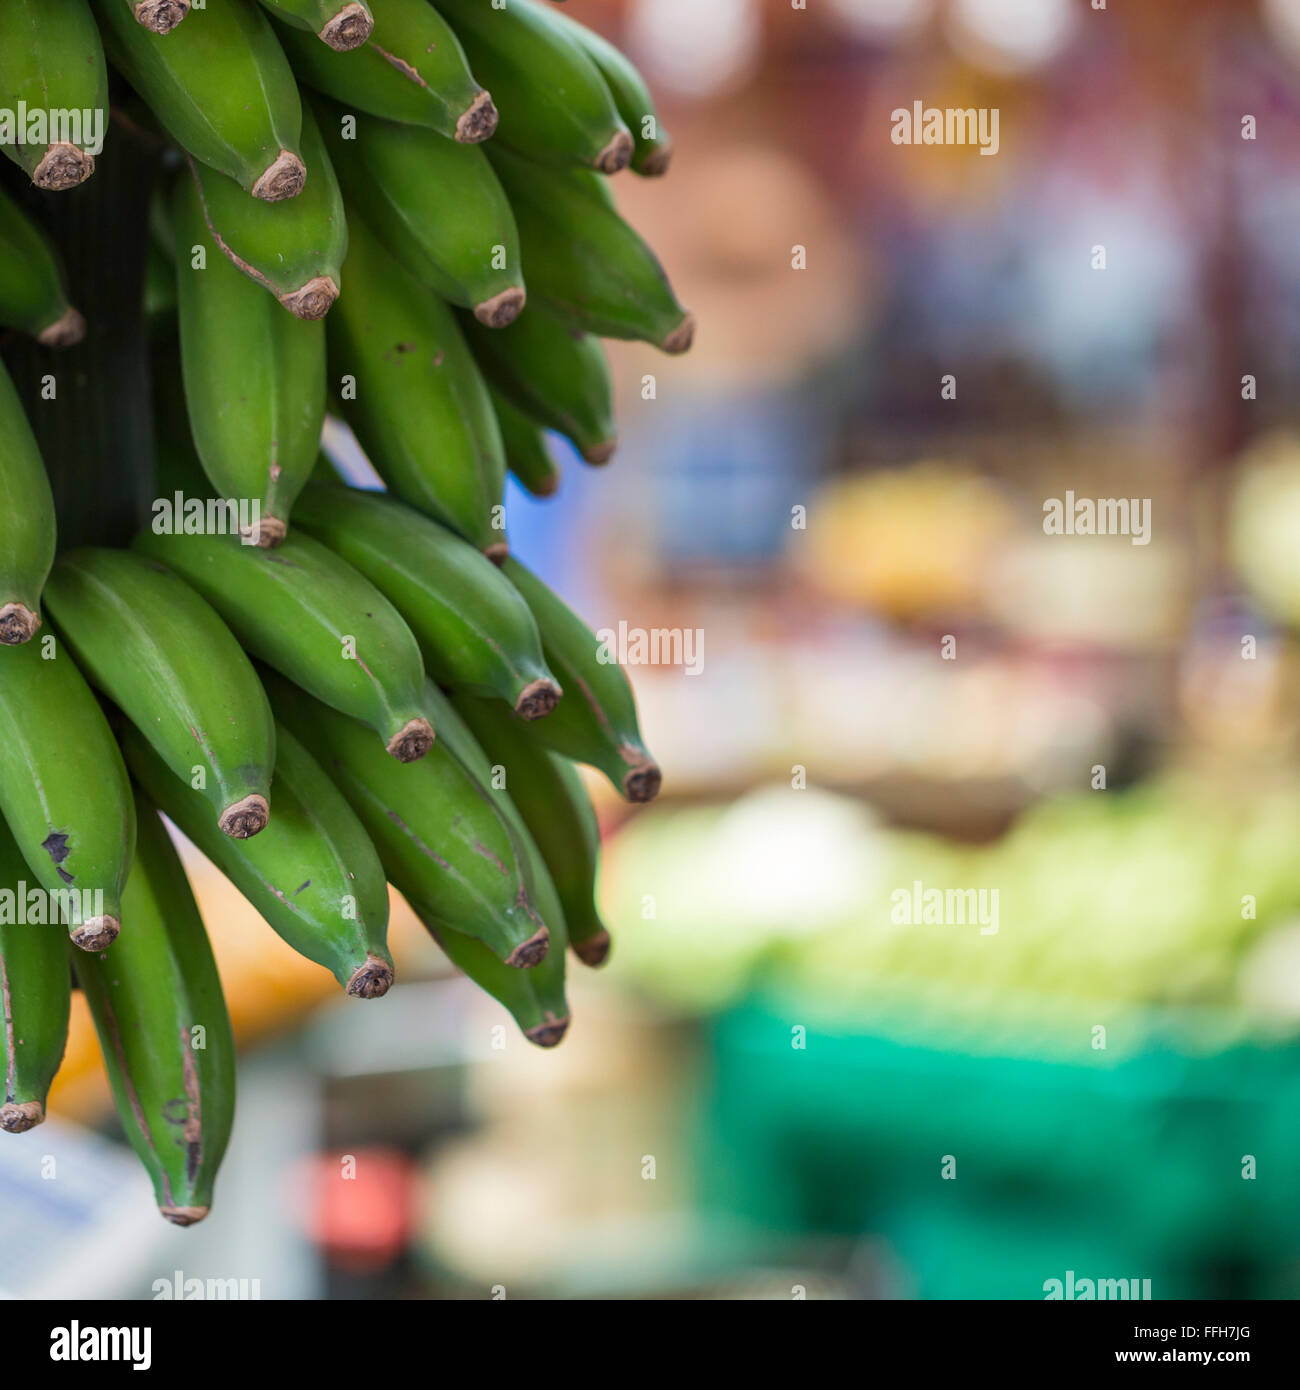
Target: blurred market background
[{"x": 775, "y": 1086}]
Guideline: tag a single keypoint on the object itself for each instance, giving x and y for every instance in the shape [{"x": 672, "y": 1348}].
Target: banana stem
[{"x": 89, "y": 404}]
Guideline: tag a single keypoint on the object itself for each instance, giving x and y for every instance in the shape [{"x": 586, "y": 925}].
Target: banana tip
[
  {"x": 594, "y": 951},
  {"x": 282, "y": 179},
  {"x": 546, "y": 486},
  {"x": 617, "y": 155},
  {"x": 412, "y": 741},
  {"x": 681, "y": 338},
  {"x": 18, "y": 624},
  {"x": 498, "y": 552},
  {"x": 66, "y": 331},
  {"x": 655, "y": 165},
  {"x": 600, "y": 454},
  {"x": 96, "y": 933},
  {"x": 479, "y": 123},
  {"x": 548, "y": 1034},
  {"x": 161, "y": 16},
  {"x": 266, "y": 532},
  {"x": 371, "y": 980},
  {"x": 642, "y": 782},
  {"x": 537, "y": 699},
  {"x": 245, "y": 818},
  {"x": 19, "y": 1116},
  {"x": 348, "y": 29},
  {"x": 502, "y": 309},
  {"x": 184, "y": 1216},
  {"x": 531, "y": 952},
  {"x": 64, "y": 165},
  {"x": 313, "y": 300}
]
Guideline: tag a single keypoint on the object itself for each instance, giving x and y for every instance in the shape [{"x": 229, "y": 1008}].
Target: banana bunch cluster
[{"x": 357, "y": 688}]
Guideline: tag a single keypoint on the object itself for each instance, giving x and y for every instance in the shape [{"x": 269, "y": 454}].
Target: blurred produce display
[{"x": 1166, "y": 895}]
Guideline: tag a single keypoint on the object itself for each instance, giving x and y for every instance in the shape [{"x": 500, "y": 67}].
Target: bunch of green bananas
[{"x": 358, "y": 688}]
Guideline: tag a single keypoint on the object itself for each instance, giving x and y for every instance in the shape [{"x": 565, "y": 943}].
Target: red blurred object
[{"x": 358, "y": 1208}]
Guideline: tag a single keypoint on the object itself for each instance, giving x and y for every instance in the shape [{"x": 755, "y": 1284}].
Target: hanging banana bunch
[{"x": 397, "y": 211}]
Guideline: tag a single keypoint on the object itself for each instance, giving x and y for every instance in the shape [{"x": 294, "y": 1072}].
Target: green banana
[
  {"x": 33, "y": 297},
  {"x": 535, "y": 997},
  {"x": 221, "y": 85},
  {"x": 164, "y": 1031},
  {"x": 254, "y": 381},
  {"x": 317, "y": 621},
  {"x": 159, "y": 288},
  {"x": 555, "y": 807},
  {"x": 418, "y": 404},
  {"x": 556, "y": 107},
  {"x": 64, "y": 790},
  {"x": 34, "y": 1000},
  {"x": 474, "y": 630},
  {"x": 413, "y": 70},
  {"x": 440, "y": 838},
  {"x": 538, "y": 1005},
  {"x": 342, "y": 24},
  {"x": 295, "y": 249},
  {"x": 527, "y": 454},
  {"x": 160, "y": 653},
  {"x": 557, "y": 376},
  {"x": 312, "y": 873},
  {"x": 51, "y": 61},
  {"x": 631, "y": 93},
  {"x": 27, "y": 531},
  {"x": 585, "y": 263},
  {"x": 438, "y": 208},
  {"x": 597, "y": 724},
  {"x": 158, "y": 16}
]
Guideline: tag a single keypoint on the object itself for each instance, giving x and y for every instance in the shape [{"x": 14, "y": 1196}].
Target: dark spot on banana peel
[{"x": 56, "y": 846}]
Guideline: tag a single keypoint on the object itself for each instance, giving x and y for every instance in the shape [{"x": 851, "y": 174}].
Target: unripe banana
[
  {"x": 64, "y": 790},
  {"x": 342, "y": 24},
  {"x": 555, "y": 106},
  {"x": 164, "y": 1031},
  {"x": 597, "y": 724},
  {"x": 158, "y": 16},
  {"x": 555, "y": 374},
  {"x": 254, "y": 380},
  {"x": 34, "y": 1001},
  {"x": 474, "y": 630},
  {"x": 51, "y": 61},
  {"x": 33, "y": 297},
  {"x": 631, "y": 93},
  {"x": 412, "y": 70},
  {"x": 538, "y": 1005},
  {"x": 312, "y": 873},
  {"x": 222, "y": 87},
  {"x": 527, "y": 455},
  {"x": 312, "y": 617},
  {"x": 414, "y": 396},
  {"x": 169, "y": 663},
  {"x": 438, "y": 208},
  {"x": 535, "y": 997},
  {"x": 293, "y": 248},
  {"x": 27, "y": 531},
  {"x": 554, "y": 805},
  {"x": 583, "y": 262},
  {"x": 439, "y": 836}
]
